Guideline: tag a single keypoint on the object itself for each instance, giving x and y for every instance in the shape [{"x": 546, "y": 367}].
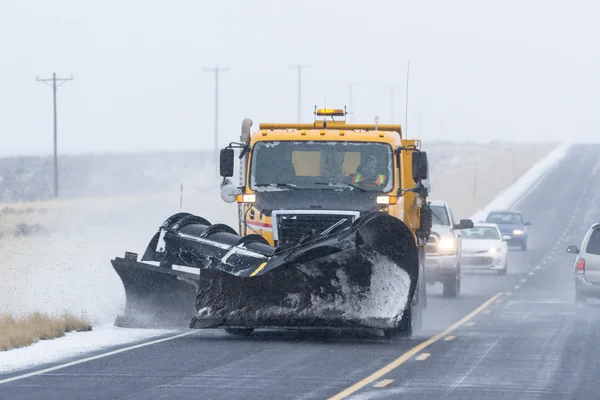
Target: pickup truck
[{"x": 444, "y": 248}]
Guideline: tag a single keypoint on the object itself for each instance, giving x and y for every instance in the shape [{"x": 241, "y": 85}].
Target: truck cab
[{"x": 444, "y": 248}]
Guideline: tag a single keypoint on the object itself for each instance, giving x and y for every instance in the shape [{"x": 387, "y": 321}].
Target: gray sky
[{"x": 518, "y": 70}]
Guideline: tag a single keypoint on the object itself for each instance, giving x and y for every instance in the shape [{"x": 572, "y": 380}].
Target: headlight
[
  {"x": 246, "y": 198},
  {"x": 386, "y": 200},
  {"x": 447, "y": 246},
  {"x": 494, "y": 250},
  {"x": 517, "y": 232}
]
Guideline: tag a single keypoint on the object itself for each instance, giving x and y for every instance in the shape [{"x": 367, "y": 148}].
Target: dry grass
[{"x": 24, "y": 331}]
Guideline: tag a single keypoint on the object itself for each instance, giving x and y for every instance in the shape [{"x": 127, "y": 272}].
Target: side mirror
[
  {"x": 226, "y": 163},
  {"x": 464, "y": 224},
  {"x": 573, "y": 249},
  {"x": 420, "y": 165},
  {"x": 527, "y": 223},
  {"x": 505, "y": 238}
]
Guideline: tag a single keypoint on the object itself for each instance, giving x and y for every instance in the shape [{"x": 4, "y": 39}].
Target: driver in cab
[{"x": 366, "y": 174}]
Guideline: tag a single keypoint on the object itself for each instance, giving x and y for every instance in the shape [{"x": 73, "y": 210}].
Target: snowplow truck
[{"x": 333, "y": 220}]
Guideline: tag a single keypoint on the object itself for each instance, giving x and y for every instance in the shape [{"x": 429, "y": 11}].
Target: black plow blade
[{"x": 364, "y": 276}]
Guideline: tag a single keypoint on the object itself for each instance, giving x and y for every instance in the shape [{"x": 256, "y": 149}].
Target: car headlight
[
  {"x": 447, "y": 245},
  {"x": 517, "y": 232},
  {"x": 494, "y": 250}
]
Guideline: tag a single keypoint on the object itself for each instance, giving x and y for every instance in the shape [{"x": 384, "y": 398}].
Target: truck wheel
[
  {"x": 411, "y": 320},
  {"x": 524, "y": 245}
]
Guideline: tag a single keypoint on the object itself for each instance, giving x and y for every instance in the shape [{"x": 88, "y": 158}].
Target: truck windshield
[{"x": 289, "y": 165}]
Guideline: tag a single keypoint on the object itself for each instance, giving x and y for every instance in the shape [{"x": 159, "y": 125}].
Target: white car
[{"x": 484, "y": 248}]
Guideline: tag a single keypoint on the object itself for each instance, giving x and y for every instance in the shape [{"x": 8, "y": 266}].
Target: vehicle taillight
[{"x": 581, "y": 266}]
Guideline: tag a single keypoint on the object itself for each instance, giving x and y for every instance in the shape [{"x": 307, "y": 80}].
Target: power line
[
  {"x": 299, "y": 68},
  {"x": 54, "y": 79},
  {"x": 216, "y": 70}
]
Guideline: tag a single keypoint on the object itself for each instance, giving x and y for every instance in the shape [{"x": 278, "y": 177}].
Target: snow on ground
[
  {"x": 73, "y": 344},
  {"x": 511, "y": 195}
]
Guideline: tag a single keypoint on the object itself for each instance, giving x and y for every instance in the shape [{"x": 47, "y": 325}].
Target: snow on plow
[{"x": 362, "y": 276}]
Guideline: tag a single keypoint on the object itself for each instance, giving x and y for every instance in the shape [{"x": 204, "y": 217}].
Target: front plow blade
[
  {"x": 364, "y": 276},
  {"x": 156, "y": 297}
]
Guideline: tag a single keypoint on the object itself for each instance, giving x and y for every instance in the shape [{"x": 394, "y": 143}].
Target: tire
[
  {"x": 452, "y": 285},
  {"x": 524, "y": 245},
  {"x": 504, "y": 270},
  {"x": 412, "y": 320},
  {"x": 579, "y": 297},
  {"x": 239, "y": 331}
]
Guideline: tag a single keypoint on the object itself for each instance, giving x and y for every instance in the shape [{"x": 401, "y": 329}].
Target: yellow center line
[
  {"x": 449, "y": 338},
  {"x": 423, "y": 356},
  {"x": 409, "y": 354},
  {"x": 470, "y": 323},
  {"x": 383, "y": 383}
]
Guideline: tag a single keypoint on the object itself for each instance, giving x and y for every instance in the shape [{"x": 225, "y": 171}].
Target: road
[{"x": 530, "y": 341}]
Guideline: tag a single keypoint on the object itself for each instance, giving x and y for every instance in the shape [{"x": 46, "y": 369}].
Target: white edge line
[{"x": 96, "y": 357}]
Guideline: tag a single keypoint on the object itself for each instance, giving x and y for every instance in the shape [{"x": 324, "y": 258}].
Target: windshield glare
[
  {"x": 485, "y": 233},
  {"x": 287, "y": 165}
]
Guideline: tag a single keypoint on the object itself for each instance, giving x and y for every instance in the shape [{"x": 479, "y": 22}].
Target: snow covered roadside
[
  {"x": 519, "y": 189},
  {"x": 74, "y": 344}
]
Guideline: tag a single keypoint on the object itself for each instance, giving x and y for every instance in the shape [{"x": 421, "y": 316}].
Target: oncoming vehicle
[
  {"x": 511, "y": 223},
  {"x": 443, "y": 250},
  {"x": 484, "y": 247},
  {"x": 587, "y": 265}
]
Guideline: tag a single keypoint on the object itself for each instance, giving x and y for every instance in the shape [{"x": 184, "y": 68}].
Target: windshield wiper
[
  {"x": 344, "y": 184},
  {"x": 287, "y": 185}
]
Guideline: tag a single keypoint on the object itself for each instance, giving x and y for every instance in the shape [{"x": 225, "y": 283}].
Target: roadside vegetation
[{"x": 24, "y": 331}]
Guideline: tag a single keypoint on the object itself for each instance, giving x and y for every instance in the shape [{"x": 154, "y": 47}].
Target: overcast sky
[{"x": 518, "y": 70}]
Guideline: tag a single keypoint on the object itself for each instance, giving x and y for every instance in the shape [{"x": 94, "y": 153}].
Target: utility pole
[
  {"x": 216, "y": 70},
  {"x": 299, "y": 68},
  {"x": 54, "y": 79}
]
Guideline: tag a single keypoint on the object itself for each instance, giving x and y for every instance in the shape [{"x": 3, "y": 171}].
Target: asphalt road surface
[{"x": 519, "y": 336}]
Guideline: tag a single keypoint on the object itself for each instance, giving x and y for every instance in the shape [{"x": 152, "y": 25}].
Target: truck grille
[
  {"x": 479, "y": 260},
  {"x": 292, "y": 227}
]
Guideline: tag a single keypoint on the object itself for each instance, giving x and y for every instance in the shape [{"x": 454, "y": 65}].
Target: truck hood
[
  {"x": 509, "y": 228},
  {"x": 443, "y": 230},
  {"x": 479, "y": 245},
  {"x": 316, "y": 199}
]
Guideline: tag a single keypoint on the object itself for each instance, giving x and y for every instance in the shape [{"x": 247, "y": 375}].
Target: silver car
[{"x": 587, "y": 265}]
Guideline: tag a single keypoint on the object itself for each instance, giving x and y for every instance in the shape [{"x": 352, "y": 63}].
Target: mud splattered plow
[{"x": 364, "y": 275}]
